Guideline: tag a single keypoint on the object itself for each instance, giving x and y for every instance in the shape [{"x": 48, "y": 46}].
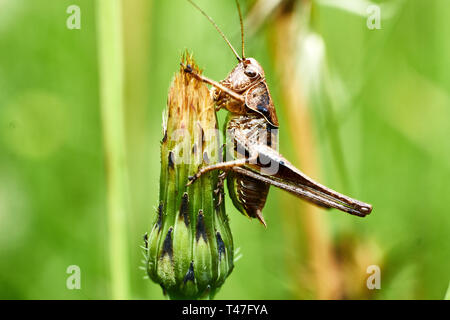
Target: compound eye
[{"x": 250, "y": 73}]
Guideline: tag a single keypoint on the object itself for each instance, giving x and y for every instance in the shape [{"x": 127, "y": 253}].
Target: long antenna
[
  {"x": 242, "y": 29},
  {"x": 217, "y": 28}
]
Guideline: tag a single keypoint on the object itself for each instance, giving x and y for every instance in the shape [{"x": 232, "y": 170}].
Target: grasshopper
[{"x": 252, "y": 125}]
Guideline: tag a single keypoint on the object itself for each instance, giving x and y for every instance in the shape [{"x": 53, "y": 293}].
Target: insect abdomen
[{"x": 248, "y": 195}]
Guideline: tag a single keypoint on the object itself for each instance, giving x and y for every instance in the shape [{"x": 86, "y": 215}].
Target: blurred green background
[{"x": 379, "y": 114}]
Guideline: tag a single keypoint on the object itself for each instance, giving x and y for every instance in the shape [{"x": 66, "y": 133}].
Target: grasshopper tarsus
[
  {"x": 220, "y": 195},
  {"x": 146, "y": 240},
  {"x": 191, "y": 180},
  {"x": 186, "y": 68},
  {"x": 219, "y": 189}
]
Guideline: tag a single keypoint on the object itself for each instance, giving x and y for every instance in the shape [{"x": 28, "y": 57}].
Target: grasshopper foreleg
[{"x": 234, "y": 95}]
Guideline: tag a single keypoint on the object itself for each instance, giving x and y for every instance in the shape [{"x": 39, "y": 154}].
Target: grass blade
[{"x": 109, "y": 17}]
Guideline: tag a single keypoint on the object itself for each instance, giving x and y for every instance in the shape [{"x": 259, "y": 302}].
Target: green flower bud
[{"x": 190, "y": 247}]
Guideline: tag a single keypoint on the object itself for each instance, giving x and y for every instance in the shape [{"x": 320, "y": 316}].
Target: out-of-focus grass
[
  {"x": 388, "y": 90},
  {"x": 447, "y": 295},
  {"x": 111, "y": 70}
]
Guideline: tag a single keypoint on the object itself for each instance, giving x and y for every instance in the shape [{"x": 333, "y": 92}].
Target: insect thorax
[
  {"x": 224, "y": 101},
  {"x": 245, "y": 132}
]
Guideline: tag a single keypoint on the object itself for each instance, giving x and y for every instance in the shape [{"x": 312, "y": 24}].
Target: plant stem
[
  {"x": 110, "y": 48},
  {"x": 320, "y": 249},
  {"x": 137, "y": 55}
]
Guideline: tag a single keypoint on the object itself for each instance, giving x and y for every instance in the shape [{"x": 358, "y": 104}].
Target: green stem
[{"x": 109, "y": 24}]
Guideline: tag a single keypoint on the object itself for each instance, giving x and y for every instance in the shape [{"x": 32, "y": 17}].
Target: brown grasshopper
[{"x": 252, "y": 123}]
